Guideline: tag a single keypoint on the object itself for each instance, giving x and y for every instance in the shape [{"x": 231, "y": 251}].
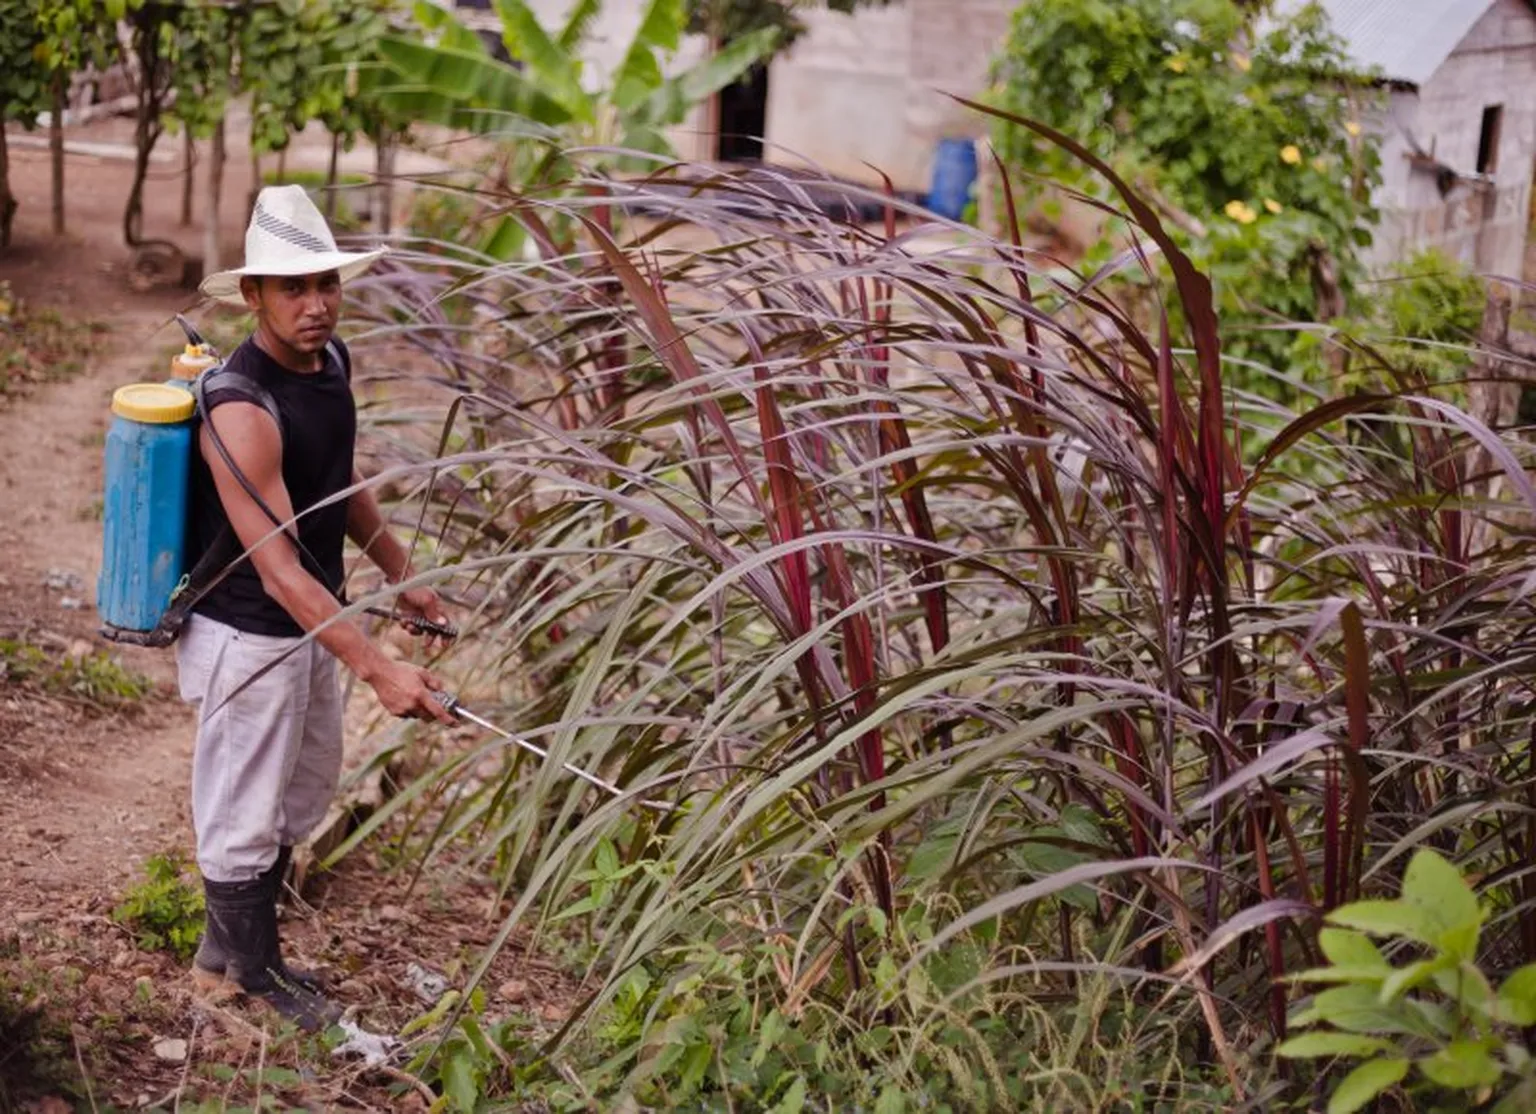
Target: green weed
[
  {"x": 97, "y": 677},
  {"x": 165, "y": 911}
]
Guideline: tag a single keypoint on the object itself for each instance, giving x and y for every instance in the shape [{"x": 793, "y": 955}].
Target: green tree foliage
[
  {"x": 284, "y": 51},
  {"x": 457, "y": 82},
  {"x": 346, "y": 103},
  {"x": 76, "y": 33},
  {"x": 203, "y": 59},
  {"x": 540, "y": 104},
  {"x": 1249, "y": 136},
  {"x": 23, "y": 89}
]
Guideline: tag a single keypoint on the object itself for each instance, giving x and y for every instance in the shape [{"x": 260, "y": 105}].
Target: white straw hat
[{"x": 287, "y": 236}]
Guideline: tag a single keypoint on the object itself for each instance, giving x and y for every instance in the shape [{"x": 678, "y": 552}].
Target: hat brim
[{"x": 224, "y": 286}]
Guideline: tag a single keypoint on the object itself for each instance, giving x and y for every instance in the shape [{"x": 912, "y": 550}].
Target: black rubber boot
[
  {"x": 242, "y": 919},
  {"x": 209, "y": 964}
]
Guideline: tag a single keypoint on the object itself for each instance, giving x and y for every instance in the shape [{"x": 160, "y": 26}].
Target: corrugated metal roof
[{"x": 1406, "y": 40}]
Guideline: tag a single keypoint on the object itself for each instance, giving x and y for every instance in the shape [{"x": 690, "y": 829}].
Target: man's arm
[{"x": 255, "y": 445}]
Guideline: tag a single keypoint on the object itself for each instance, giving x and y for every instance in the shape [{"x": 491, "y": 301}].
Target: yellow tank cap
[{"x": 154, "y": 403}]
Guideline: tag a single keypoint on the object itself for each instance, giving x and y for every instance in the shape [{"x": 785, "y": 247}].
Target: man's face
[{"x": 299, "y": 310}]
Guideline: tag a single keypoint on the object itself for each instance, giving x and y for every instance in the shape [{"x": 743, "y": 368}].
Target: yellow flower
[
  {"x": 1176, "y": 63},
  {"x": 1272, "y": 205},
  {"x": 1319, "y": 163},
  {"x": 1240, "y": 212},
  {"x": 1242, "y": 61},
  {"x": 1290, "y": 153},
  {"x": 1352, "y": 128}
]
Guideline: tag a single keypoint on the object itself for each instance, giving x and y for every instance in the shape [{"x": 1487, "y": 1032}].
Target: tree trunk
[
  {"x": 188, "y": 179},
  {"x": 384, "y": 172},
  {"x": 145, "y": 135},
  {"x": 56, "y": 152},
  {"x": 211, "y": 213},
  {"x": 7, "y": 200},
  {"x": 250, "y": 201},
  {"x": 330, "y": 179},
  {"x": 147, "y": 126}
]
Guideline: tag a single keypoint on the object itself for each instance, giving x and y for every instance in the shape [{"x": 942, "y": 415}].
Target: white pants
[{"x": 269, "y": 756}]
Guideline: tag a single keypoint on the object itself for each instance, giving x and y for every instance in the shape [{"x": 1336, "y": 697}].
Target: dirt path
[{"x": 99, "y": 801}]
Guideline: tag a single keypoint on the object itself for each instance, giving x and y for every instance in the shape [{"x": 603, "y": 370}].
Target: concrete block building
[{"x": 1459, "y": 127}]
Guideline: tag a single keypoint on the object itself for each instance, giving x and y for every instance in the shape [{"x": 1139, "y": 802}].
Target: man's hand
[
  {"x": 406, "y": 690},
  {"x": 425, "y": 603}
]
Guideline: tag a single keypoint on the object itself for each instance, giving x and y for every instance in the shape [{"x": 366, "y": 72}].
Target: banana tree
[{"x": 452, "y": 79}]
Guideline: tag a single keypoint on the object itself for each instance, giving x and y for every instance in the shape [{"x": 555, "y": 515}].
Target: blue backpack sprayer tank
[{"x": 144, "y": 509}]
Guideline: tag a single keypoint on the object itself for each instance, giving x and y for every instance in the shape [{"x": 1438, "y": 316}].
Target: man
[{"x": 268, "y": 752}]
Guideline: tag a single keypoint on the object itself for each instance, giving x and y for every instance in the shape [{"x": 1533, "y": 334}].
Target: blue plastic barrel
[
  {"x": 144, "y": 512},
  {"x": 954, "y": 174}
]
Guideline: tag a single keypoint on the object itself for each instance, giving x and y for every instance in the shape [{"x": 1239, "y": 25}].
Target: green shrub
[
  {"x": 1250, "y": 138},
  {"x": 165, "y": 910}
]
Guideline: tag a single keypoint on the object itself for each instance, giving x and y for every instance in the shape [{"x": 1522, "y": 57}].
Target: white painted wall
[
  {"x": 1484, "y": 227},
  {"x": 866, "y": 90}
]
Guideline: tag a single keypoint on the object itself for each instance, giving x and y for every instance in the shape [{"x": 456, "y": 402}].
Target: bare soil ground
[{"x": 91, "y": 788}]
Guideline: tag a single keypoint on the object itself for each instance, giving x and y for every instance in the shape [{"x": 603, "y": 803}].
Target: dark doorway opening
[
  {"x": 744, "y": 117},
  {"x": 1488, "y": 139}
]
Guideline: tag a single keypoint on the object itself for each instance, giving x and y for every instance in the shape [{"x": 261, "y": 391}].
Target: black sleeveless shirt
[{"x": 319, "y": 426}]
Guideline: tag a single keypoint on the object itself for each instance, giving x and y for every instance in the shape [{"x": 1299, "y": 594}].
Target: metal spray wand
[{"x": 451, "y": 703}]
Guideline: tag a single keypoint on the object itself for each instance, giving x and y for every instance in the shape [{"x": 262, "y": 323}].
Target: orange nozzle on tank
[{"x": 192, "y": 361}]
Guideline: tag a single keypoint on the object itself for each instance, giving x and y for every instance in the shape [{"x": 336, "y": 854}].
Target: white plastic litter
[
  {"x": 427, "y": 985},
  {"x": 372, "y": 1048}
]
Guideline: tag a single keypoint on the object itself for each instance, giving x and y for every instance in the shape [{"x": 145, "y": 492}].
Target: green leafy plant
[
  {"x": 75, "y": 34},
  {"x": 458, "y": 82},
  {"x": 541, "y": 105},
  {"x": 23, "y": 90},
  {"x": 165, "y": 910},
  {"x": 1437, "y": 1016},
  {"x": 1247, "y": 138},
  {"x": 95, "y": 677},
  {"x": 1418, "y": 323}
]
